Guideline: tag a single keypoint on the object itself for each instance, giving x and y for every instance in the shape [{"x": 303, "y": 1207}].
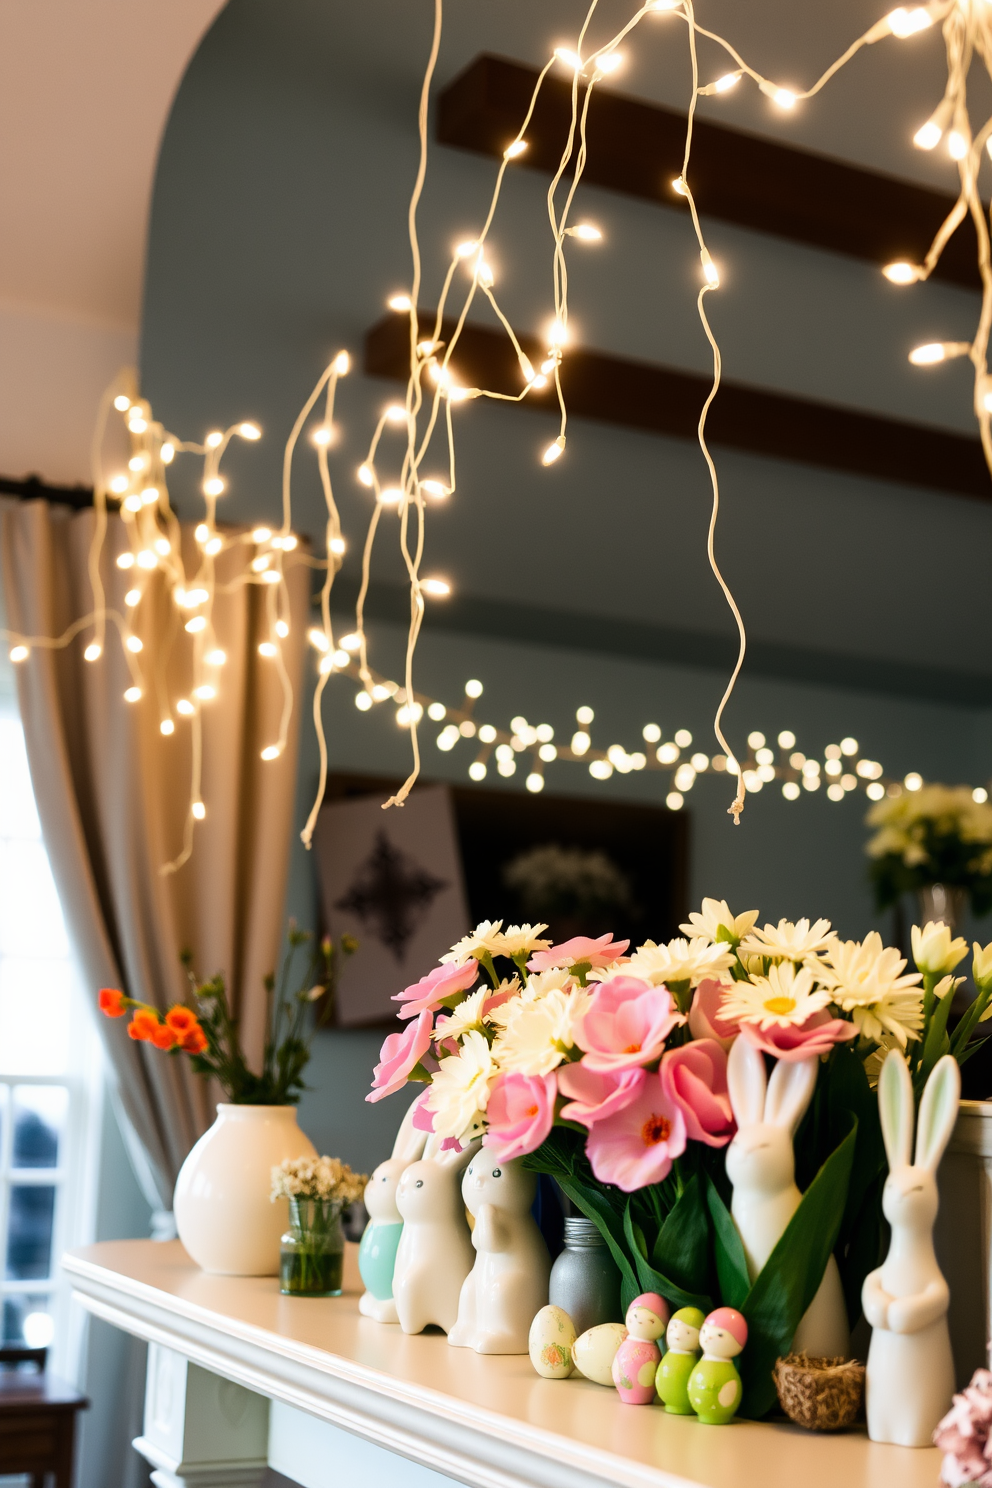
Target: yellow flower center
[{"x": 780, "y": 1005}]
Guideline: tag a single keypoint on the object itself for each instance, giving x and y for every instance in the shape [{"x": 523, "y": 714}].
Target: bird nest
[{"x": 820, "y": 1394}]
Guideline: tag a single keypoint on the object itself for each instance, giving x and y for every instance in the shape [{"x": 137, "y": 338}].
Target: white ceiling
[{"x": 85, "y": 90}]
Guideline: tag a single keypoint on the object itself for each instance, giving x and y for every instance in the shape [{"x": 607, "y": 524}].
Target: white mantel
[{"x": 489, "y": 1422}]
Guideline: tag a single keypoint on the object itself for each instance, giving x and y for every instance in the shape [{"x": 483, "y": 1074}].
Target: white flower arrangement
[
  {"x": 326, "y": 1178},
  {"x": 938, "y": 834}
]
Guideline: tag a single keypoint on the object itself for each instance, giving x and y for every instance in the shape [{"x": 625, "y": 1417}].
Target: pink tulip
[
  {"x": 582, "y": 948},
  {"x": 520, "y": 1113},
  {"x": 428, "y": 994},
  {"x": 422, "y": 1119},
  {"x": 400, "y": 1053},
  {"x": 801, "y": 1040},
  {"x": 705, "y": 1019},
  {"x": 635, "y": 1146},
  {"x": 695, "y": 1078},
  {"x": 626, "y": 1024},
  {"x": 594, "y": 1096}
]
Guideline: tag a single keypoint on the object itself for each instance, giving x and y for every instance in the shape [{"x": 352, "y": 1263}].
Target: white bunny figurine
[
  {"x": 910, "y": 1378},
  {"x": 509, "y": 1282},
  {"x": 762, "y": 1168},
  {"x": 377, "y": 1252},
  {"x": 435, "y": 1251}
]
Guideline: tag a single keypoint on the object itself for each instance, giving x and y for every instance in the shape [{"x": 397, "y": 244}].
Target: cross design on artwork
[{"x": 391, "y": 894}]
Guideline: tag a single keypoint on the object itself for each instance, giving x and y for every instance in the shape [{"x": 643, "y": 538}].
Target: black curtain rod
[{"x": 33, "y": 488}]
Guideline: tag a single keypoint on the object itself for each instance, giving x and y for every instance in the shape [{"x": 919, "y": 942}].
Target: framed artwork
[{"x": 581, "y": 866}]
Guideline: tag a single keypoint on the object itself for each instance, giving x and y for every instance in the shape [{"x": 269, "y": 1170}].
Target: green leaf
[
  {"x": 731, "y": 1262},
  {"x": 788, "y": 1281},
  {"x": 682, "y": 1247},
  {"x": 652, "y": 1280}
]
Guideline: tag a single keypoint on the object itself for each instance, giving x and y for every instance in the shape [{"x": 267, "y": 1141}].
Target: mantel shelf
[{"x": 487, "y": 1421}]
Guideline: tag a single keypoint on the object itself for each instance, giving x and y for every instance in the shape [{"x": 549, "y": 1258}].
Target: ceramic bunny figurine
[
  {"x": 509, "y": 1281},
  {"x": 435, "y": 1253},
  {"x": 761, "y": 1167},
  {"x": 377, "y": 1251},
  {"x": 910, "y": 1377}
]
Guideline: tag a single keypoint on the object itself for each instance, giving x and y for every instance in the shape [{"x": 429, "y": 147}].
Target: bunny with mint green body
[
  {"x": 381, "y": 1238},
  {"x": 910, "y": 1376}
]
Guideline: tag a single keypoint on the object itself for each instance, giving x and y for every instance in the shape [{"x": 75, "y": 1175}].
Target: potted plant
[
  {"x": 221, "y": 1203},
  {"x": 935, "y": 842}
]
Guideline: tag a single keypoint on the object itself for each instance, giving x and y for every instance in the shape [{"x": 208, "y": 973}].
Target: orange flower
[
  {"x": 163, "y": 1037},
  {"x": 195, "y": 1041},
  {"x": 181, "y": 1020},
  {"x": 142, "y": 1025},
  {"x": 112, "y": 1002}
]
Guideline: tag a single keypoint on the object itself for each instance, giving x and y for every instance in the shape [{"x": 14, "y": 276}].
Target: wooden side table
[{"x": 37, "y": 1419}]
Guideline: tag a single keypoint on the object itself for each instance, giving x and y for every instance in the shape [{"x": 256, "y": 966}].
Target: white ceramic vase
[{"x": 223, "y": 1212}]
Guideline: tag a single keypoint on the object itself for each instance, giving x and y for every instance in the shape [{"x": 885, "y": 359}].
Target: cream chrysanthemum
[
  {"x": 784, "y": 997},
  {"x": 789, "y": 942},
  {"x": 866, "y": 980},
  {"x": 523, "y": 940},
  {"x": 537, "y": 1032},
  {"x": 485, "y": 940},
  {"x": 716, "y": 916},
  {"x": 679, "y": 961},
  {"x": 468, "y": 1014},
  {"x": 459, "y": 1091}
]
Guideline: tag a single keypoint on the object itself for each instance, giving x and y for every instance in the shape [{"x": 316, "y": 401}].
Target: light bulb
[
  {"x": 185, "y": 707},
  {"x": 132, "y": 694},
  {"x": 756, "y": 739},
  {"x": 926, "y": 356},
  {"x": 122, "y": 403},
  {"x": 119, "y": 485},
  {"x": 138, "y": 462},
  {"x": 249, "y": 431},
  {"x": 513, "y": 151},
  {"x": 477, "y": 770},
  {"x": 440, "y": 588},
  {"x": 199, "y": 810},
  {"x": 132, "y": 503},
  {"x": 434, "y": 488},
  {"x": 149, "y": 495},
  {"x": 134, "y": 643},
  {"x": 957, "y": 145},
  {"x": 351, "y": 642},
  {"x": 876, "y": 791},
  {"x": 198, "y": 623},
  {"x": 790, "y": 790},
  {"x": 679, "y": 187},
  {"x": 213, "y": 486},
  {"x": 205, "y": 691},
  {"x": 337, "y": 546},
  {"x": 554, "y": 451},
  {"x": 651, "y": 733},
  {"x": 213, "y": 439},
  {"x": 849, "y": 746},
  {"x": 201, "y": 532},
  {"x": 125, "y": 560},
  {"x": 710, "y": 272},
  {"x": 534, "y": 782},
  {"x": 325, "y": 665},
  {"x": 363, "y": 702},
  {"x": 570, "y": 58},
  {"x": 466, "y": 249},
  {"x": 365, "y": 475},
  {"x": 557, "y": 335},
  {"x": 473, "y": 688},
  {"x": 132, "y": 597},
  {"x": 259, "y": 564},
  {"x": 785, "y": 98},
  {"x": 928, "y": 135},
  {"x": 266, "y": 648},
  {"x": 93, "y": 652},
  {"x": 902, "y": 273},
  {"x": 391, "y": 496},
  {"x": 137, "y": 425},
  {"x": 487, "y": 734},
  {"x": 913, "y": 781},
  {"x": 979, "y": 795},
  {"x": 196, "y": 597},
  {"x": 281, "y": 629},
  {"x": 396, "y": 413},
  {"x": 587, "y": 231},
  {"x": 214, "y": 546},
  {"x": 609, "y": 63},
  {"x": 321, "y": 436},
  {"x": 163, "y": 547},
  {"x": 786, "y": 739},
  {"x": 683, "y": 738},
  {"x": 400, "y": 302},
  {"x": 261, "y": 534},
  {"x": 725, "y": 83},
  {"x": 271, "y": 752},
  {"x": 216, "y": 657},
  {"x": 903, "y": 22},
  {"x": 663, "y": 5},
  {"x": 167, "y": 727},
  {"x": 18, "y": 653},
  {"x": 167, "y": 453}
]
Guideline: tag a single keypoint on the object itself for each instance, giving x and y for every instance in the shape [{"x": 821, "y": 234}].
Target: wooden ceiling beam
[
  {"x": 663, "y": 400},
  {"x": 636, "y": 148}
]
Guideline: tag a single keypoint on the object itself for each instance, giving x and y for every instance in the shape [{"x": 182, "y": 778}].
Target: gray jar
[{"x": 585, "y": 1281}]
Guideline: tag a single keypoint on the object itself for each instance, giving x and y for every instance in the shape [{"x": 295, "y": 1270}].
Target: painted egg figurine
[
  {"x": 672, "y": 1378},
  {"x": 549, "y": 1343},
  {"x": 715, "y": 1386},
  {"x": 594, "y": 1350},
  {"x": 636, "y": 1361}
]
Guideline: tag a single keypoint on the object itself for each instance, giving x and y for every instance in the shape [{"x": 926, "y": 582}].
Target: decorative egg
[
  {"x": 549, "y": 1343},
  {"x": 594, "y": 1350}
]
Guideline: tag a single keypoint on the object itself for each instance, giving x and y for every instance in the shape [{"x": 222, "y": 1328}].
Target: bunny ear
[
  {"x": 455, "y": 1159},
  {"x": 938, "y": 1112},
  {"x": 410, "y": 1142},
  {"x": 790, "y": 1090},
  {"x": 895, "y": 1109},
  {"x": 746, "y": 1082}
]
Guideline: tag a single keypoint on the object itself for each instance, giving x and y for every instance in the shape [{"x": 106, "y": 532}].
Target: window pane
[
  {"x": 28, "y": 1320},
  {"x": 39, "y": 1121},
  {"x": 18, "y": 816},
  {"x": 34, "y": 1016},
  {"x": 29, "y": 1233},
  {"x": 30, "y": 915}
]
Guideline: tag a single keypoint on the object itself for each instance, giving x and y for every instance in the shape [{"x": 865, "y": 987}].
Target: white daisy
[
  {"x": 860, "y": 973},
  {"x": 485, "y": 939},
  {"x": 460, "y": 1088},
  {"x": 538, "y": 1031},
  {"x": 679, "y": 961},
  {"x": 789, "y": 942},
  {"x": 715, "y": 917},
  {"x": 785, "y": 996},
  {"x": 523, "y": 940}
]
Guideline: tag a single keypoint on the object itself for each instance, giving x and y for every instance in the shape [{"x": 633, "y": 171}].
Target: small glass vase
[{"x": 311, "y": 1254}]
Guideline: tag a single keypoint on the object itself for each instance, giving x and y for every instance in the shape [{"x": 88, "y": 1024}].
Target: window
[{"x": 46, "y": 1093}]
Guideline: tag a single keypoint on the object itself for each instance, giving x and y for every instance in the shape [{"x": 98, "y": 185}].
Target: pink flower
[
  {"x": 963, "y": 1434},
  {"x": 593, "y": 1095},
  {"x": 520, "y": 1113},
  {"x": 582, "y": 948},
  {"x": 422, "y": 1119},
  {"x": 626, "y": 1024},
  {"x": 429, "y": 993},
  {"x": 695, "y": 1078},
  {"x": 801, "y": 1040},
  {"x": 635, "y": 1146},
  {"x": 400, "y": 1053},
  {"x": 705, "y": 1018}
]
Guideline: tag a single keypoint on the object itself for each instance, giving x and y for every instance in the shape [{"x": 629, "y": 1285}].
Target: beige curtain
[{"x": 113, "y": 796}]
